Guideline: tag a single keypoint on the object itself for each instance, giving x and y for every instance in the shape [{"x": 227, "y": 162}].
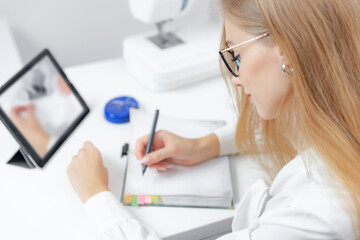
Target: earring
[{"x": 283, "y": 70}]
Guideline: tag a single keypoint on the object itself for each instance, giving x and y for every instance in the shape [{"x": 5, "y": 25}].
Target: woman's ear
[
  {"x": 286, "y": 69},
  {"x": 281, "y": 55}
]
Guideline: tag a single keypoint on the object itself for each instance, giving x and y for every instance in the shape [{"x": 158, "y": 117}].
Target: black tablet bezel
[{"x": 24, "y": 144}]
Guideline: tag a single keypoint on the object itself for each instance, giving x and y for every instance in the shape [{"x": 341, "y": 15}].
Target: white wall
[{"x": 75, "y": 31}]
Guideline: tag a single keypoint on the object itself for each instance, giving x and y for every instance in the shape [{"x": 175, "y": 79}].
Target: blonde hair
[{"x": 321, "y": 42}]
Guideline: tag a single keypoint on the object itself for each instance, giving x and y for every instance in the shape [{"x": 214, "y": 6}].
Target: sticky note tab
[
  {"x": 155, "y": 199},
  {"x": 134, "y": 201},
  {"x": 128, "y": 199},
  {"x": 140, "y": 199},
  {"x": 147, "y": 200}
]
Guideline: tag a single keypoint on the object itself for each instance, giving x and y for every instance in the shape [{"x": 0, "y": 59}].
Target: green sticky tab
[
  {"x": 134, "y": 201},
  {"x": 155, "y": 199}
]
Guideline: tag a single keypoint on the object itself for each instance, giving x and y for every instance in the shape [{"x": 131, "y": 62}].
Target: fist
[{"x": 87, "y": 173}]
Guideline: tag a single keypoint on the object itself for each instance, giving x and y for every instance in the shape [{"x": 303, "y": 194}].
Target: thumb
[{"x": 156, "y": 156}]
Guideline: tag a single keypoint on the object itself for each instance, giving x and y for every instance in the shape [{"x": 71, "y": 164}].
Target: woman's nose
[{"x": 236, "y": 81}]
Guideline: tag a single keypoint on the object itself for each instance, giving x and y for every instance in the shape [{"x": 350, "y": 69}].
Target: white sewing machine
[{"x": 179, "y": 52}]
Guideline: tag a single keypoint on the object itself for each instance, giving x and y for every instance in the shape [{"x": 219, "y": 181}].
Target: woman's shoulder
[{"x": 304, "y": 192}]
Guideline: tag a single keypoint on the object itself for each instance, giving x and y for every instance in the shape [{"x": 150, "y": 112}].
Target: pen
[{"x": 151, "y": 138}]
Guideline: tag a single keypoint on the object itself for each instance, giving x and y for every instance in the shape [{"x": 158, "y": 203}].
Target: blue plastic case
[{"x": 117, "y": 109}]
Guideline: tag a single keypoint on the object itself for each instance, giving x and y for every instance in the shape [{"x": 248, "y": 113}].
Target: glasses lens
[{"x": 233, "y": 61}]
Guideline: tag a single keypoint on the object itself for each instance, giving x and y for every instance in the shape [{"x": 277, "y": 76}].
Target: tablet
[{"x": 40, "y": 108}]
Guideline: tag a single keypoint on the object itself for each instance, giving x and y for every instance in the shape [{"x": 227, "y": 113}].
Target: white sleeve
[
  {"x": 113, "y": 221},
  {"x": 310, "y": 220},
  {"x": 274, "y": 231},
  {"x": 226, "y": 136}
]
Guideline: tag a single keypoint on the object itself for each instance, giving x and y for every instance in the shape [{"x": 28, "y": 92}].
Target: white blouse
[{"x": 298, "y": 205}]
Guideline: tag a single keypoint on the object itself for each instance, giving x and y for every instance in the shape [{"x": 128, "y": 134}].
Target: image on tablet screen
[{"x": 41, "y": 106}]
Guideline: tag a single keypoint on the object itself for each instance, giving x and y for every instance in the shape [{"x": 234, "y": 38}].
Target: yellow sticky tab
[
  {"x": 128, "y": 199},
  {"x": 155, "y": 199}
]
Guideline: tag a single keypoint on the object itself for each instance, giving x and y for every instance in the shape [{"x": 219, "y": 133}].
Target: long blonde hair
[{"x": 321, "y": 42}]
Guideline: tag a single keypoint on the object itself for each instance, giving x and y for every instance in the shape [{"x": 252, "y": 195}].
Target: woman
[{"x": 296, "y": 80}]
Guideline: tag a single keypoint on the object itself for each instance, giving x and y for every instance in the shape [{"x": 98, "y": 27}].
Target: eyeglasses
[{"x": 231, "y": 61}]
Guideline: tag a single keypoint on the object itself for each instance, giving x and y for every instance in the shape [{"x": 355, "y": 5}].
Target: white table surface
[{"x": 41, "y": 204}]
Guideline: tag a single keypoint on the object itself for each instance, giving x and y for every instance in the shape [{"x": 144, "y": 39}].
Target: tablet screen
[{"x": 41, "y": 104}]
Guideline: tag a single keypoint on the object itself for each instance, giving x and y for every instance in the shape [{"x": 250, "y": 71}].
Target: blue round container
[{"x": 117, "y": 109}]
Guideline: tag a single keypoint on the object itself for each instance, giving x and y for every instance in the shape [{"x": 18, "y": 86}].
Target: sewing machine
[{"x": 181, "y": 51}]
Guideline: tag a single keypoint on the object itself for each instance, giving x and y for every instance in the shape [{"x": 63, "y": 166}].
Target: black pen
[{"x": 151, "y": 138}]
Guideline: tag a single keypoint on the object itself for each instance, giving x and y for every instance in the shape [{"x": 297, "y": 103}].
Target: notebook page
[{"x": 211, "y": 178}]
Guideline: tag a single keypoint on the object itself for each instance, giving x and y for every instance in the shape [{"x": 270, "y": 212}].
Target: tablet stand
[{"x": 20, "y": 159}]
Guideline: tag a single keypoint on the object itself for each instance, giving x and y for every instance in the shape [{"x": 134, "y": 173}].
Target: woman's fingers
[
  {"x": 141, "y": 144},
  {"x": 140, "y": 148},
  {"x": 16, "y": 111},
  {"x": 157, "y": 156},
  {"x": 88, "y": 145},
  {"x": 162, "y": 166}
]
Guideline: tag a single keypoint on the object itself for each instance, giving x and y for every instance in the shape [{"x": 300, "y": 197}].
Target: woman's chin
[{"x": 265, "y": 115}]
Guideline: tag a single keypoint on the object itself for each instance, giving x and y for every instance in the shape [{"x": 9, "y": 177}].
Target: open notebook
[{"x": 208, "y": 184}]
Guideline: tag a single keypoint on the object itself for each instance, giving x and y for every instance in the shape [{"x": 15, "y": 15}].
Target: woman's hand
[
  {"x": 25, "y": 120},
  {"x": 87, "y": 173},
  {"x": 168, "y": 149}
]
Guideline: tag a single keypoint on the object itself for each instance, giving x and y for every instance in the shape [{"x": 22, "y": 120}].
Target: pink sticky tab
[
  {"x": 147, "y": 200},
  {"x": 140, "y": 199}
]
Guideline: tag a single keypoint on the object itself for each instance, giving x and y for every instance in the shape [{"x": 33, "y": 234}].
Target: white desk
[{"x": 41, "y": 204}]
